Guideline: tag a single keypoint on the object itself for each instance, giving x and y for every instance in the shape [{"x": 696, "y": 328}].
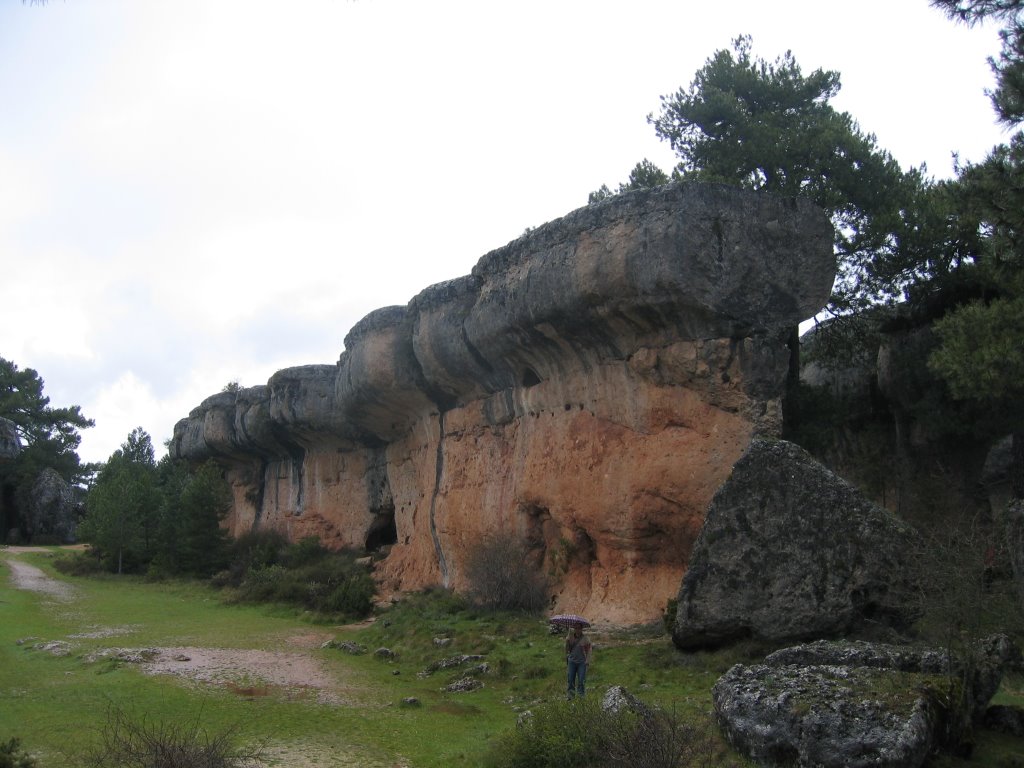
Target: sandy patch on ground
[
  {"x": 307, "y": 756},
  {"x": 295, "y": 674},
  {"x": 25, "y": 576},
  {"x": 252, "y": 672}
]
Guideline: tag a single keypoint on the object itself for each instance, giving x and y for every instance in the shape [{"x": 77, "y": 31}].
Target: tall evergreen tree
[
  {"x": 122, "y": 506},
  {"x": 193, "y": 506},
  {"x": 49, "y": 437},
  {"x": 768, "y": 126},
  {"x": 981, "y": 342}
]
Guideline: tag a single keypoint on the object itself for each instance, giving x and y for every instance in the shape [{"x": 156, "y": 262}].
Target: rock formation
[
  {"x": 10, "y": 442},
  {"x": 586, "y": 388},
  {"x": 790, "y": 551},
  {"x": 848, "y": 704},
  {"x": 51, "y": 509},
  {"x": 10, "y": 448}
]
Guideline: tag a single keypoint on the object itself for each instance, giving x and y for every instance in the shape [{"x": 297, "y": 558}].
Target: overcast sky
[{"x": 204, "y": 191}]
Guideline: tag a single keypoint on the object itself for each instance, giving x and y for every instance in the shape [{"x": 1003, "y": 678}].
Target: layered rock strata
[{"x": 586, "y": 389}]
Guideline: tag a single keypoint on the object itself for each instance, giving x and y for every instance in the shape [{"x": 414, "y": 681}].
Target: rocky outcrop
[
  {"x": 826, "y": 716},
  {"x": 848, "y": 704},
  {"x": 51, "y": 509},
  {"x": 10, "y": 448},
  {"x": 10, "y": 442},
  {"x": 586, "y": 389},
  {"x": 790, "y": 551}
]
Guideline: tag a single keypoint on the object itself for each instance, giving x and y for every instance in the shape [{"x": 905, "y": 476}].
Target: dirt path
[
  {"x": 295, "y": 673},
  {"x": 25, "y": 576}
]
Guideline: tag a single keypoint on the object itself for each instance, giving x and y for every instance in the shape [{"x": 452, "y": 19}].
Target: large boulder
[
  {"x": 51, "y": 508},
  {"x": 823, "y": 716},
  {"x": 849, "y": 704},
  {"x": 790, "y": 551}
]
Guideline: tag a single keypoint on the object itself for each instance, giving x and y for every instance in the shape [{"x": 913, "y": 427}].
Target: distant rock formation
[
  {"x": 51, "y": 509},
  {"x": 586, "y": 389},
  {"x": 10, "y": 442},
  {"x": 10, "y": 448},
  {"x": 790, "y": 551}
]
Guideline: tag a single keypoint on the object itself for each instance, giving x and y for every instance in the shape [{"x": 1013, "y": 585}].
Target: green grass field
[{"x": 58, "y": 704}]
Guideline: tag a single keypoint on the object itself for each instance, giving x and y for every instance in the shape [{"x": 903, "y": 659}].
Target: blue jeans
[{"x": 577, "y": 673}]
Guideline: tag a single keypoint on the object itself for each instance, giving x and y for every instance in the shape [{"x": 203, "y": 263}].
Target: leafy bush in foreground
[
  {"x": 13, "y": 756},
  {"x": 580, "y": 734}
]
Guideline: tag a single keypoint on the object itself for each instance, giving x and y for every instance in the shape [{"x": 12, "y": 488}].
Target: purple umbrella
[{"x": 569, "y": 620}]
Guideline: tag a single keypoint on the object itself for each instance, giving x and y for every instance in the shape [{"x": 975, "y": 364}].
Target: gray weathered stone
[
  {"x": 790, "y": 551},
  {"x": 617, "y": 699},
  {"x": 990, "y": 656},
  {"x": 851, "y": 703},
  {"x": 451, "y": 662},
  {"x": 823, "y": 716},
  {"x": 10, "y": 442},
  {"x": 51, "y": 508},
  {"x": 463, "y": 685}
]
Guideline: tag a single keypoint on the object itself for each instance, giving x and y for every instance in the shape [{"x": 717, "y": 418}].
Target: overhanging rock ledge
[{"x": 587, "y": 389}]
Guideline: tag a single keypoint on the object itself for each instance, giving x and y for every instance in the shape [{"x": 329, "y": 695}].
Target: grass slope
[{"x": 58, "y": 704}]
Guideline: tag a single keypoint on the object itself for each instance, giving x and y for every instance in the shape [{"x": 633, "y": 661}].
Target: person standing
[{"x": 577, "y": 654}]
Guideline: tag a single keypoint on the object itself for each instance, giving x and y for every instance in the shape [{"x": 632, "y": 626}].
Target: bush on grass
[
  {"x": 580, "y": 734},
  {"x": 500, "y": 577},
  {"x": 130, "y": 742},
  {"x": 331, "y": 583},
  {"x": 304, "y": 552},
  {"x": 13, "y": 756},
  {"x": 83, "y": 563},
  {"x": 250, "y": 552}
]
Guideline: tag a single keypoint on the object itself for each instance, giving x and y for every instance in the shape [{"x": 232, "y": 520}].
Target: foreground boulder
[
  {"x": 584, "y": 390},
  {"x": 852, "y": 704},
  {"x": 791, "y": 551}
]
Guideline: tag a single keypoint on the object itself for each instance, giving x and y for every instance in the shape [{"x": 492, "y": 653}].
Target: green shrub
[
  {"x": 252, "y": 551},
  {"x": 306, "y": 551},
  {"x": 580, "y": 734},
  {"x": 330, "y": 582},
  {"x": 563, "y": 734},
  {"x": 83, "y": 563},
  {"x": 13, "y": 756}
]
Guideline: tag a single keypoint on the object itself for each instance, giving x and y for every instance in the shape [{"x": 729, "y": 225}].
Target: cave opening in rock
[
  {"x": 382, "y": 531},
  {"x": 530, "y": 378}
]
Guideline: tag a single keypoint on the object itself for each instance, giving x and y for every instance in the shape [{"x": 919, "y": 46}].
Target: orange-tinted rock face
[{"x": 586, "y": 390}]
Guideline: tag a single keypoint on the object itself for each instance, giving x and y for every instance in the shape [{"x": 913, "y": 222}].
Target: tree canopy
[
  {"x": 22, "y": 401},
  {"x": 49, "y": 439},
  {"x": 768, "y": 126},
  {"x": 980, "y": 353},
  {"x": 948, "y": 251},
  {"x": 142, "y": 515}
]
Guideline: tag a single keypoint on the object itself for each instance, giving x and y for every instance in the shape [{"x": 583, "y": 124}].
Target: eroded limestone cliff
[{"x": 587, "y": 389}]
